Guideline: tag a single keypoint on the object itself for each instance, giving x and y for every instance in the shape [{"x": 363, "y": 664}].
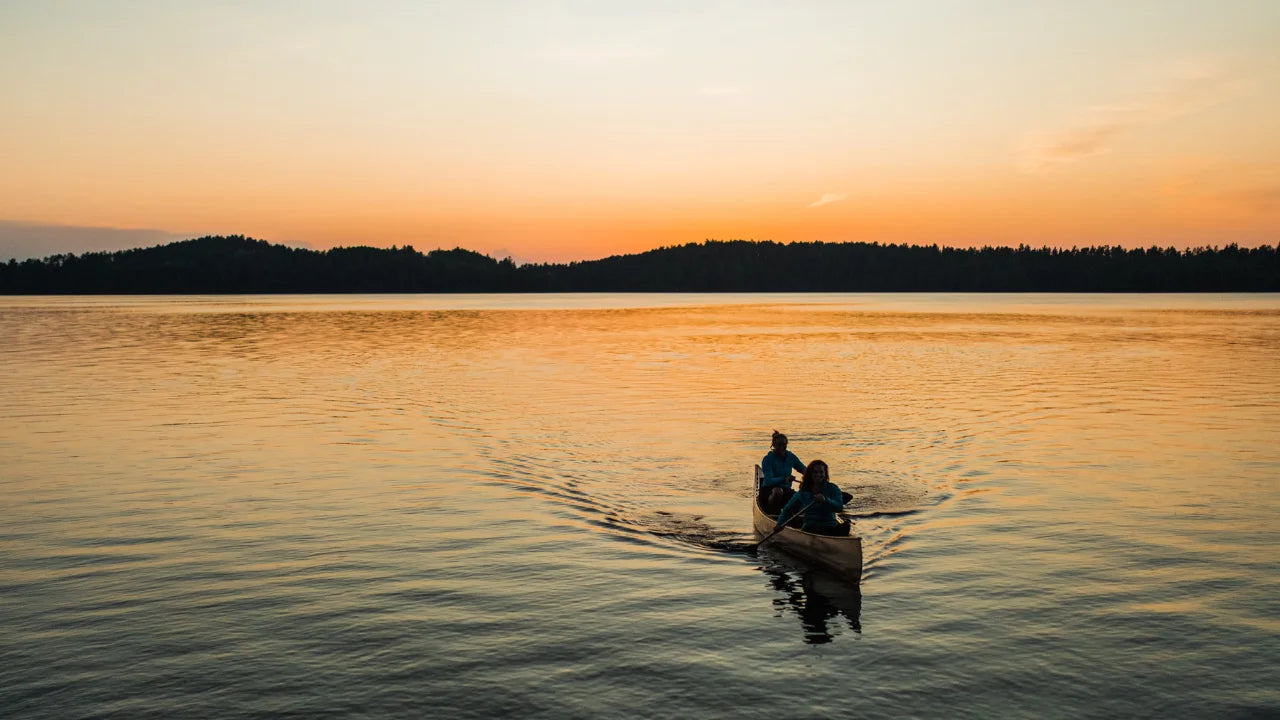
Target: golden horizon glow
[{"x": 559, "y": 132}]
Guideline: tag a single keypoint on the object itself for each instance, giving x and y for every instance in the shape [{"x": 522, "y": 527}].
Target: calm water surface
[{"x": 537, "y": 506}]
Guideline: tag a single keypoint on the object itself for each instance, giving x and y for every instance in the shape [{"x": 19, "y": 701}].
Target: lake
[{"x": 539, "y": 506}]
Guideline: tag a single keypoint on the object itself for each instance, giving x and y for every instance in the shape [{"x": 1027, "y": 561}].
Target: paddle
[{"x": 783, "y": 525}]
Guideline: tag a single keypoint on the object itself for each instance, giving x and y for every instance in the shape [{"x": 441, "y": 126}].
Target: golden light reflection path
[{"x": 537, "y": 505}]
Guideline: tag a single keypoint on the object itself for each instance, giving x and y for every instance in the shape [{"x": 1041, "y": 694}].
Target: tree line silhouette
[{"x": 237, "y": 264}]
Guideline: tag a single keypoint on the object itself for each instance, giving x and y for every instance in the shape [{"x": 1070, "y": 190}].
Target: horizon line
[{"x": 510, "y": 256}]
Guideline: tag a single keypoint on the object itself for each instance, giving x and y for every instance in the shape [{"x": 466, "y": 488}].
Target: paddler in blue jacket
[
  {"x": 819, "y": 499},
  {"x": 775, "y": 488}
]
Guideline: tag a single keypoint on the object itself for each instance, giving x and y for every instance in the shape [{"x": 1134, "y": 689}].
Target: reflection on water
[
  {"x": 483, "y": 506},
  {"x": 816, "y": 600}
]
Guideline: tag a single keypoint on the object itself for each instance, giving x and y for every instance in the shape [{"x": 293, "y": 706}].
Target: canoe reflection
[{"x": 815, "y": 599}]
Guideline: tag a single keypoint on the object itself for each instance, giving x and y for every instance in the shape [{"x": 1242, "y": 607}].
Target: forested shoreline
[{"x": 237, "y": 264}]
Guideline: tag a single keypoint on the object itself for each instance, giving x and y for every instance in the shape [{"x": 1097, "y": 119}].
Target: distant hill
[{"x": 237, "y": 264}]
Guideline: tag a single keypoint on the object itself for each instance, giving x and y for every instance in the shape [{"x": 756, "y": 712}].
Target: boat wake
[
  {"x": 884, "y": 506},
  {"x": 691, "y": 530},
  {"x": 878, "y": 514}
]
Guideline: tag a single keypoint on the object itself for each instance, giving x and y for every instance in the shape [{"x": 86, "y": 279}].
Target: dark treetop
[{"x": 238, "y": 264}]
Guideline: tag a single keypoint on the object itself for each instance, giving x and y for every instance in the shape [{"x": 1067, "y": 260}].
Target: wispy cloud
[
  {"x": 1097, "y": 128},
  {"x": 1252, "y": 190},
  {"x": 1260, "y": 198},
  {"x": 827, "y": 199}
]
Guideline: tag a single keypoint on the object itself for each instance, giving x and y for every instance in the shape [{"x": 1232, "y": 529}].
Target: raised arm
[
  {"x": 796, "y": 464},
  {"x": 832, "y": 496}
]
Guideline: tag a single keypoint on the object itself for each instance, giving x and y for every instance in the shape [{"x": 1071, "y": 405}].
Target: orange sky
[{"x": 554, "y": 131}]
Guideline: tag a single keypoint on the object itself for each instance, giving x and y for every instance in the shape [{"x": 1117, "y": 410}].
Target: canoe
[{"x": 843, "y": 555}]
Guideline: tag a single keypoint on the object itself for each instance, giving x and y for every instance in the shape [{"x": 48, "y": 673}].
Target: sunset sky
[{"x": 563, "y": 130}]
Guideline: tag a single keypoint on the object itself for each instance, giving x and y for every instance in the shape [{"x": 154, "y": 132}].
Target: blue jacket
[
  {"x": 821, "y": 514},
  {"x": 777, "y": 470}
]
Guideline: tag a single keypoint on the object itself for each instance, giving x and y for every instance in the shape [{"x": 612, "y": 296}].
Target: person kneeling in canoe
[
  {"x": 818, "y": 499},
  {"x": 775, "y": 488}
]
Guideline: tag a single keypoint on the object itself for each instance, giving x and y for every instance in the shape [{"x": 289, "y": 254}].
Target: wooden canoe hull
[{"x": 842, "y": 555}]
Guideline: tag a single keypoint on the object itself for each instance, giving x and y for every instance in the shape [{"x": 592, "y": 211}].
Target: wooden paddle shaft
[{"x": 784, "y": 525}]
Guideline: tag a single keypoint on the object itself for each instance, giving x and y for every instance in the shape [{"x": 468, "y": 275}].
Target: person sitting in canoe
[
  {"x": 818, "y": 499},
  {"x": 775, "y": 488}
]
